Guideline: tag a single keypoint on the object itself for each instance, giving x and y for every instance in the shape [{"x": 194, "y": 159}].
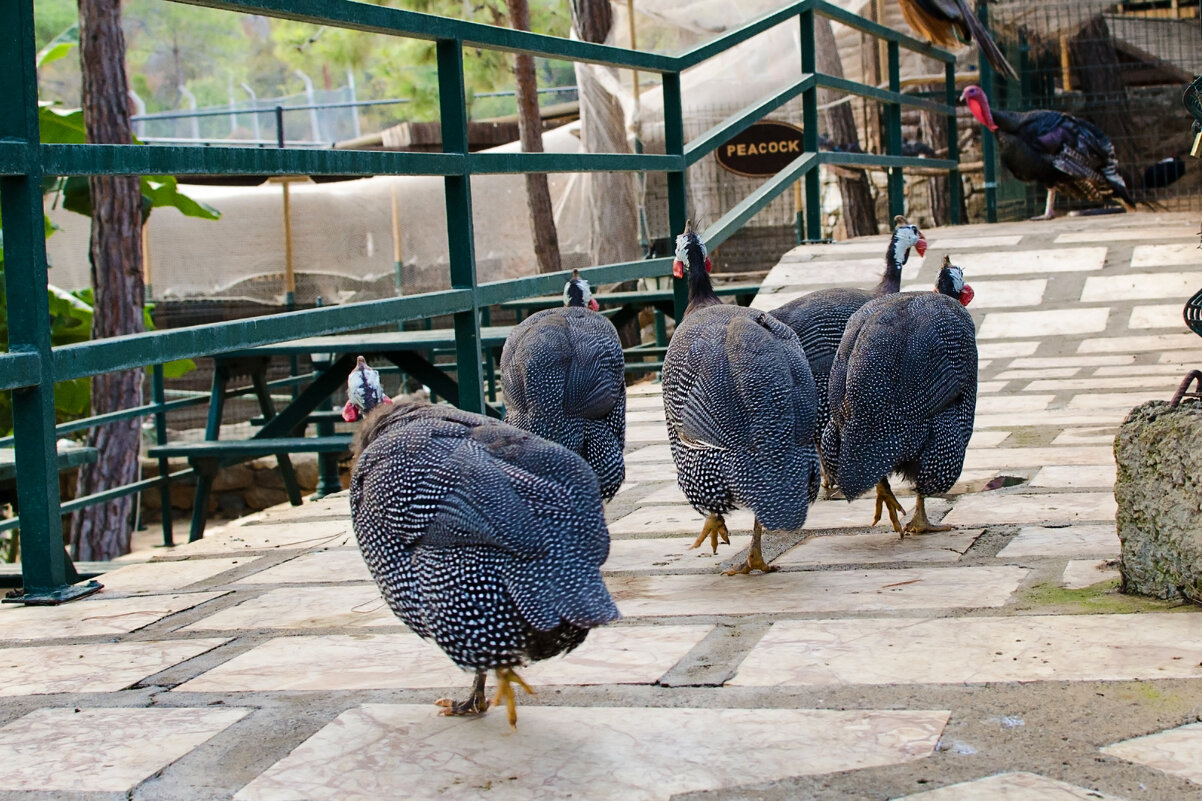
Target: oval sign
[{"x": 762, "y": 150}]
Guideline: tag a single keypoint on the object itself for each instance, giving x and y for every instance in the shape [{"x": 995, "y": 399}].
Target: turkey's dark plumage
[
  {"x": 481, "y": 537},
  {"x": 563, "y": 374},
  {"x": 948, "y": 22}
]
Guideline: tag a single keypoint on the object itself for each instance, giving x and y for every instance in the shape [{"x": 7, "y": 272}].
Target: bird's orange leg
[
  {"x": 506, "y": 678},
  {"x": 715, "y": 527},
  {"x": 919, "y": 524},
  {"x": 476, "y": 703},
  {"x": 1047, "y": 212},
  {"x": 755, "y": 556},
  {"x": 885, "y": 499}
]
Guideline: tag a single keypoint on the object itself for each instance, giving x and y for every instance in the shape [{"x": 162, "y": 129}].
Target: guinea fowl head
[
  {"x": 363, "y": 392},
  {"x": 576, "y": 292},
  {"x": 974, "y": 97},
  {"x": 692, "y": 261},
  {"x": 905, "y": 236},
  {"x": 951, "y": 283}
]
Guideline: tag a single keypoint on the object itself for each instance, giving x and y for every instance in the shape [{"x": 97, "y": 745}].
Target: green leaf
[
  {"x": 59, "y": 46},
  {"x": 177, "y": 368},
  {"x": 72, "y": 399},
  {"x": 61, "y": 126},
  {"x": 163, "y": 190}
]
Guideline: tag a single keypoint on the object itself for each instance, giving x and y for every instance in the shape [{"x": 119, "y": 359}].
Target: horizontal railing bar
[
  {"x": 269, "y": 109},
  {"x": 751, "y": 205},
  {"x": 396, "y": 22},
  {"x": 158, "y": 347},
  {"x": 877, "y": 160},
  {"x": 492, "y": 163},
  {"x": 692, "y": 58},
  {"x": 20, "y": 370},
  {"x": 875, "y": 93},
  {"x": 552, "y": 283},
  {"x": 851, "y": 20},
  {"x": 122, "y": 491},
  {"x": 740, "y": 121},
  {"x": 184, "y": 160}
]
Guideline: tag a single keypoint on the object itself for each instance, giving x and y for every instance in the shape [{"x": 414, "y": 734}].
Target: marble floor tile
[
  {"x": 646, "y": 432},
  {"x": 669, "y": 493},
  {"x": 1051, "y": 323},
  {"x": 93, "y": 617},
  {"x": 651, "y": 453},
  {"x": 650, "y": 471},
  {"x": 315, "y": 567},
  {"x": 863, "y": 590},
  {"x": 995, "y": 294},
  {"x": 1166, "y": 316},
  {"x": 1032, "y": 374},
  {"x": 1081, "y": 573},
  {"x": 1122, "y": 401},
  {"x": 646, "y": 416},
  {"x": 1035, "y": 262},
  {"x": 1126, "y": 234},
  {"x": 350, "y": 606},
  {"x": 1041, "y": 363},
  {"x": 845, "y": 272},
  {"x": 835, "y": 250},
  {"x": 1133, "y": 286},
  {"x": 1056, "y": 418},
  {"x": 1098, "y": 435},
  {"x": 989, "y": 387},
  {"x": 1011, "y": 787},
  {"x": 1186, "y": 356},
  {"x": 852, "y": 549},
  {"x": 1001, "y": 458},
  {"x": 1075, "y": 476},
  {"x": 1005, "y": 350},
  {"x": 93, "y": 668},
  {"x": 643, "y": 388},
  {"x": 975, "y": 650},
  {"x": 1177, "y": 752},
  {"x": 610, "y": 655},
  {"x": 1154, "y": 373},
  {"x": 773, "y": 297},
  {"x": 974, "y": 243},
  {"x": 645, "y": 403},
  {"x": 304, "y": 532},
  {"x": 675, "y": 520},
  {"x": 1014, "y": 403},
  {"x": 618, "y": 754},
  {"x": 1106, "y": 383},
  {"x": 989, "y": 509},
  {"x": 102, "y": 749},
  {"x": 670, "y": 553},
  {"x": 987, "y": 439},
  {"x": 149, "y": 577},
  {"x": 1086, "y": 540},
  {"x": 1137, "y": 344},
  {"x": 1161, "y": 255}
]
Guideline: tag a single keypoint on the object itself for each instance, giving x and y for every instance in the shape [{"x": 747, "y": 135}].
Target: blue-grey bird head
[
  {"x": 364, "y": 391},
  {"x": 576, "y": 292},
  {"x": 951, "y": 283},
  {"x": 691, "y": 254}
]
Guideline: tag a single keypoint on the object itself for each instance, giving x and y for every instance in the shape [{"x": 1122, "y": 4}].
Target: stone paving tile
[
  {"x": 1107, "y": 383},
  {"x": 1036, "y": 262},
  {"x": 1011, "y": 787},
  {"x": 102, "y": 749},
  {"x": 1040, "y": 363},
  {"x": 1161, "y": 255},
  {"x": 975, "y": 650},
  {"x": 1123, "y": 401},
  {"x": 1056, "y": 418},
  {"x": 1165, "y": 316},
  {"x": 994, "y": 509},
  {"x": 1000, "y": 458},
  {"x": 670, "y": 553},
  {"x": 974, "y": 243},
  {"x": 1058, "y": 322},
  {"x": 1188, "y": 356},
  {"x": 1154, "y": 373},
  {"x": 996, "y": 294},
  {"x": 1032, "y": 374},
  {"x": 851, "y": 549},
  {"x": 95, "y": 668},
  {"x": 864, "y": 590},
  {"x": 1014, "y": 403},
  {"x": 623, "y": 754},
  {"x": 612, "y": 655},
  {"x": 351, "y": 606},
  {"x": 987, "y": 439},
  {"x": 93, "y": 616},
  {"x": 646, "y": 416},
  {"x": 675, "y": 520},
  {"x": 650, "y": 471},
  {"x": 846, "y": 272},
  {"x": 1098, "y": 435},
  {"x": 1081, "y": 573},
  {"x": 651, "y": 453},
  {"x": 1137, "y": 286},
  {"x": 1177, "y": 751},
  {"x": 1094, "y": 540},
  {"x": 1005, "y": 350},
  {"x": 315, "y": 567},
  {"x": 1137, "y": 344},
  {"x": 1157, "y": 232},
  {"x": 305, "y": 531},
  {"x": 646, "y": 432},
  {"x": 1075, "y": 476},
  {"x": 668, "y": 494},
  {"x": 164, "y": 576},
  {"x": 989, "y": 387}
]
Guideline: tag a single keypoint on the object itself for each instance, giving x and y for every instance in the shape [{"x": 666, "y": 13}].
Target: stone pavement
[{"x": 996, "y": 661}]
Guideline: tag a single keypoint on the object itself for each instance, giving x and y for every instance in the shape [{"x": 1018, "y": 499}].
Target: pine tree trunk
[
  {"x": 103, "y": 531},
  {"x": 530, "y": 129}
]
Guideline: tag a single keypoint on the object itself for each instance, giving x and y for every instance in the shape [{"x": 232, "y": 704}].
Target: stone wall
[{"x": 1159, "y": 493}]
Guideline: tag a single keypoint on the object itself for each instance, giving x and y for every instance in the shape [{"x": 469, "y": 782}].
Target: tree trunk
[
  {"x": 102, "y": 531},
  {"x": 530, "y": 129},
  {"x": 859, "y": 208}
]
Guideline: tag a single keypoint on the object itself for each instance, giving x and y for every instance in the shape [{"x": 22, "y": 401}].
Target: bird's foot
[
  {"x": 886, "y": 500},
  {"x": 715, "y": 527},
  {"x": 753, "y": 562},
  {"x": 1040, "y": 217},
  {"x": 476, "y": 703},
  {"x": 920, "y": 524},
  {"x": 506, "y": 678}
]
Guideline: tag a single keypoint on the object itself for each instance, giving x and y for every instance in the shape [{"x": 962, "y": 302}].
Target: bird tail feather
[{"x": 993, "y": 54}]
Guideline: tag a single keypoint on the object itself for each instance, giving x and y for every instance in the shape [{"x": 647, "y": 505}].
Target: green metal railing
[{"x": 31, "y": 366}]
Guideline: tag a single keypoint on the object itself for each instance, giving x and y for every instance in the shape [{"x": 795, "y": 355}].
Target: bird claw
[
  {"x": 471, "y": 706},
  {"x": 715, "y": 527},
  {"x": 506, "y": 678}
]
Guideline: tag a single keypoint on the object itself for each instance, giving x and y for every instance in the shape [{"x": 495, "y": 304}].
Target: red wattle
[
  {"x": 678, "y": 268},
  {"x": 709, "y": 265},
  {"x": 966, "y": 295},
  {"x": 349, "y": 412},
  {"x": 921, "y": 247},
  {"x": 593, "y": 304}
]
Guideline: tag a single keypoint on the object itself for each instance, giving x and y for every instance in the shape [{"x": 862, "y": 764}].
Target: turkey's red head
[{"x": 974, "y": 97}]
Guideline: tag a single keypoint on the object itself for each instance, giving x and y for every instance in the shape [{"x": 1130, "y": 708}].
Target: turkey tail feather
[{"x": 989, "y": 48}]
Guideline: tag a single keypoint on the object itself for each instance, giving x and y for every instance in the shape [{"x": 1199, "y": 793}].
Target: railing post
[
  {"x": 809, "y": 124},
  {"x": 461, "y": 246},
  {"x": 988, "y": 146},
  {"x": 158, "y": 395},
  {"x": 954, "y": 185},
  {"x": 893, "y": 124},
  {"x": 678, "y": 202},
  {"x": 45, "y": 568}
]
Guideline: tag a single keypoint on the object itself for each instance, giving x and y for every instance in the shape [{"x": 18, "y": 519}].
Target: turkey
[
  {"x": 563, "y": 375},
  {"x": 481, "y": 537},
  {"x": 819, "y": 318},
  {"x": 1059, "y": 152},
  {"x": 950, "y": 22},
  {"x": 739, "y": 405},
  {"x": 903, "y": 391}
]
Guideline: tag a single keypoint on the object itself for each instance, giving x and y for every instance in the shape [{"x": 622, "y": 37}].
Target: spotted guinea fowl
[
  {"x": 1059, "y": 152},
  {"x": 819, "y": 318},
  {"x": 482, "y": 537},
  {"x": 903, "y": 391},
  {"x": 739, "y": 405},
  {"x": 563, "y": 375}
]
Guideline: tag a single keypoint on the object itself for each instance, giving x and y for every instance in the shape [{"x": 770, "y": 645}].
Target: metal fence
[{"x": 31, "y": 366}]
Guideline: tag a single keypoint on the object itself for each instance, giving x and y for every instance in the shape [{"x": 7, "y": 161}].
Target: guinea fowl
[
  {"x": 950, "y": 22},
  {"x": 903, "y": 391},
  {"x": 563, "y": 374},
  {"x": 739, "y": 405},
  {"x": 482, "y": 537},
  {"x": 819, "y": 318},
  {"x": 1059, "y": 152}
]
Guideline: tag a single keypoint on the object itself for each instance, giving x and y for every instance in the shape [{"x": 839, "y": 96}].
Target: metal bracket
[{"x": 59, "y": 595}]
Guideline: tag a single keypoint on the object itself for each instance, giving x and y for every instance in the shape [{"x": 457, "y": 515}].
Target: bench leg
[
  {"x": 206, "y": 471},
  {"x": 291, "y": 486}
]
